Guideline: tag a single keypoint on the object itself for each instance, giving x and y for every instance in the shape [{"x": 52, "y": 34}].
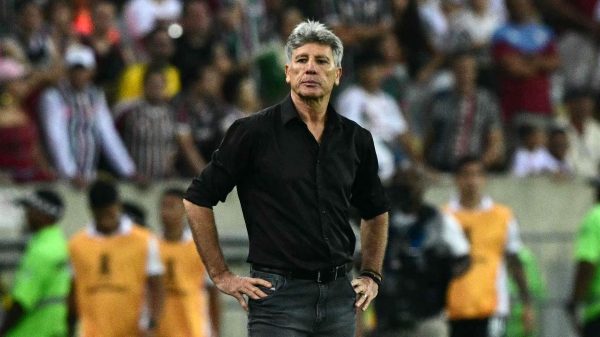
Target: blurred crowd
[{"x": 145, "y": 89}]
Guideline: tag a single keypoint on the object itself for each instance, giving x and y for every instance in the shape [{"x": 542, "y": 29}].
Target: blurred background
[{"x": 143, "y": 91}]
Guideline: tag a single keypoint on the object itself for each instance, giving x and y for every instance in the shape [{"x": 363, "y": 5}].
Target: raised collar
[
  {"x": 289, "y": 112},
  {"x": 125, "y": 226},
  {"x": 485, "y": 204}
]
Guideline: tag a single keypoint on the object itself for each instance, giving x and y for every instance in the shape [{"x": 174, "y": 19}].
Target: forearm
[
  {"x": 156, "y": 298},
  {"x": 192, "y": 157},
  {"x": 518, "y": 274},
  {"x": 204, "y": 232},
  {"x": 583, "y": 277},
  {"x": 374, "y": 233}
]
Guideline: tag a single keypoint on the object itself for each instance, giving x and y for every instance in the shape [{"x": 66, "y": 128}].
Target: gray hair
[{"x": 315, "y": 32}]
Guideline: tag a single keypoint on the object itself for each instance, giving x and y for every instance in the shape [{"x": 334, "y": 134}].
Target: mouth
[{"x": 310, "y": 83}]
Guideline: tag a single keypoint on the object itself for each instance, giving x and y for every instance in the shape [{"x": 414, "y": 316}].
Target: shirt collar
[
  {"x": 289, "y": 112},
  {"x": 485, "y": 204},
  {"x": 125, "y": 226}
]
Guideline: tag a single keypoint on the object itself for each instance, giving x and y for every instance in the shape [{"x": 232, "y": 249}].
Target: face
[
  {"x": 31, "y": 18},
  {"x": 107, "y": 218},
  {"x": 470, "y": 179},
  {"x": 80, "y": 77},
  {"x": 312, "y": 73},
  {"x": 18, "y": 88},
  {"x": 211, "y": 82},
  {"x": 465, "y": 72},
  {"x": 248, "y": 95},
  {"x": 371, "y": 77},
  {"x": 161, "y": 45},
  {"x": 197, "y": 18},
  {"x": 558, "y": 145},
  {"x": 62, "y": 16},
  {"x": 520, "y": 10},
  {"x": 581, "y": 108},
  {"x": 172, "y": 213},
  {"x": 154, "y": 87},
  {"x": 479, "y": 5},
  {"x": 104, "y": 15}
]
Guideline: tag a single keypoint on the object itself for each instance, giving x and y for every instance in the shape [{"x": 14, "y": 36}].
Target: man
[
  {"x": 372, "y": 108},
  {"x": 426, "y": 249},
  {"x": 478, "y": 300},
  {"x": 115, "y": 264},
  {"x": 464, "y": 121},
  {"x": 191, "y": 309},
  {"x": 584, "y": 305},
  {"x": 160, "y": 49},
  {"x": 298, "y": 167},
  {"x": 78, "y": 123},
  {"x": 525, "y": 52},
  {"x": 583, "y": 132},
  {"x": 37, "y": 303}
]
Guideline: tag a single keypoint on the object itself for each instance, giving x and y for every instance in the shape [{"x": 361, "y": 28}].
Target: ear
[
  {"x": 287, "y": 75},
  {"x": 338, "y": 75}
]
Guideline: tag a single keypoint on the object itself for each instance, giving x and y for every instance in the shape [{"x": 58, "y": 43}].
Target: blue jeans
[{"x": 302, "y": 308}]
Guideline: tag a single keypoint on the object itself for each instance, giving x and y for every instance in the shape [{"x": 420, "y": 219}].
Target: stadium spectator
[
  {"x": 22, "y": 158},
  {"x": 558, "y": 146},
  {"x": 464, "y": 121},
  {"x": 78, "y": 124},
  {"x": 116, "y": 264},
  {"x": 60, "y": 25},
  {"x": 356, "y": 22},
  {"x": 191, "y": 306},
  {"x": 195, "y": 47},
  {"x": 583, "y": 132},
  {"x": 425, "y": 250},
  {"x": 578, "y": 43},
  {"x": 240, "y": 96},
  {"x": 147, "y": 127},
  {"x": 271, "y": 59},
  {"x": 143, "y": 16},
  {"x": 524, "y": 51},
  {"x": 200, "y": 114},
  {"x": 411, "y": 31},
  {"x": 583, "y": 306},
  {"x": 32, "y": 39},
  {"x": 38, "y": 300},
  {"x": 368, "y": 105},
  {"x": 532, "y": 156},
  {"x": 478, "y": 301},
  {"x": 110, "y": 53},
  {"x": 159, "y": 47}
]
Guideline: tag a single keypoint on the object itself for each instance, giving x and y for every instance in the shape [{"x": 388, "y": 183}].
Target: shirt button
[{"x": 323, "y": 212}]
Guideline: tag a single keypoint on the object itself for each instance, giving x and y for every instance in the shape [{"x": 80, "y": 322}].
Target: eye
[{"x": 301, "y": 60}]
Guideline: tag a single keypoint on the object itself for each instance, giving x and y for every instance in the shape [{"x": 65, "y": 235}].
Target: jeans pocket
[{"x": 277, "y": 283}]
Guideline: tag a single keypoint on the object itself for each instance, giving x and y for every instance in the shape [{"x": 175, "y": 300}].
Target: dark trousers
[
  {"x": 302, "y": 308},
  {"x": 592, "y": 328},
  {"x": 485, "y": 327}
]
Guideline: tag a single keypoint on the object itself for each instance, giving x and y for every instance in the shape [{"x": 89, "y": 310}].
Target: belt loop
[{"x": 319, "y": 276}]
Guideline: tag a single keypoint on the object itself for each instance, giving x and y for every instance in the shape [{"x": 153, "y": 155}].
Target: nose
[{"x": 311, "y": 67}]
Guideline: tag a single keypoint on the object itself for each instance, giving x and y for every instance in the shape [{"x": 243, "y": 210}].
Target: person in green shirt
[
  {"x": 37, "y": 303},
  {"x": 584, "y": 304}
]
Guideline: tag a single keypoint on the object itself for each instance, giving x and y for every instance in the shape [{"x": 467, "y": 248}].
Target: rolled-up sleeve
[
  {"x": 228, "y": 165},
  {"x": 368, "y": 195}
]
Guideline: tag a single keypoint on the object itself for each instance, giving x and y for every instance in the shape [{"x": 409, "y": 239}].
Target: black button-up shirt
[{"x": 295, "y": 193}]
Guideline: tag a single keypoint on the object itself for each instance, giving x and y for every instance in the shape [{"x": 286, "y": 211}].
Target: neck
[
  {"x": 471, "y": 201},
  {"x": 311, "y": 110}
]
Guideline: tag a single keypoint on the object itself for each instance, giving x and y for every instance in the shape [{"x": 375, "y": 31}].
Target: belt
[{"x": 319, "y": 276}]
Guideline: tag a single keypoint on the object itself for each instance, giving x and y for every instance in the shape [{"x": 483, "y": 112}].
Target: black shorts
[{"x": 485, "y": 327}]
